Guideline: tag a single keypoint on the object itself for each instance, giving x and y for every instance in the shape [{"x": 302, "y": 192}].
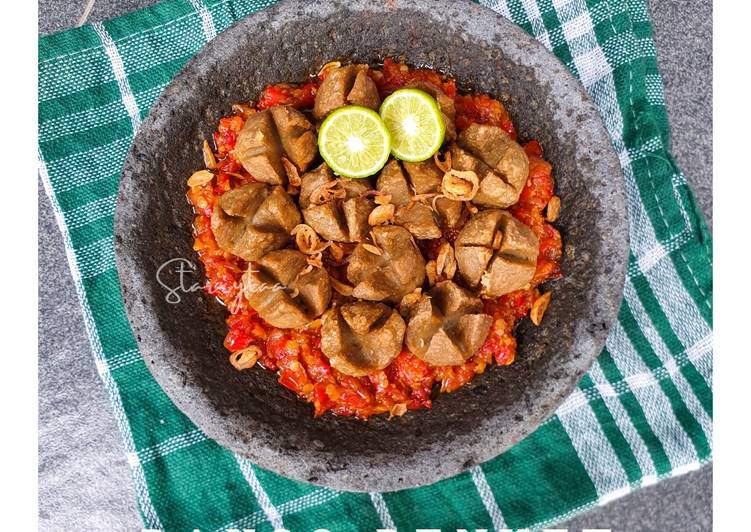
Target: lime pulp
[
  {"x": 354, "y": 141},
  {"x": 415, "y": 122}
]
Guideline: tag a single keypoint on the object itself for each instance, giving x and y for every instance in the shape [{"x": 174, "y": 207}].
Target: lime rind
[
  {"x": 334, "y": 142},
  {"x": 416, "y": 124}
]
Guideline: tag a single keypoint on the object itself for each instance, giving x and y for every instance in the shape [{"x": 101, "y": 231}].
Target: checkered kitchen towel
[{"x": 643, "y": 413}]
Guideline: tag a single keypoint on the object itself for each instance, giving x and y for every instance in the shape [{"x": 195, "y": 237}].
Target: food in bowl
[{"x": 369, "y": 295}]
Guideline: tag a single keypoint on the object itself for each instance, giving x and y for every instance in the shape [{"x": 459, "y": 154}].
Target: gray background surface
[{"x": 84, "y": 481}]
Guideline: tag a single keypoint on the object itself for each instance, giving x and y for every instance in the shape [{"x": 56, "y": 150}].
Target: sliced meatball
[
  {"x": 505, "y": 274},
  {"x": 362, "y": 337},
  {"x": 446, "y": 327},
  {"x": 498, "y": 150},
  {"x": 269, "y": 135},
  {"x": 335, "y": 208},
  {"x": 500, "y": 162},
  {"x": 259, "y": 149},
  {"x": 346, "y": 85},
  {"x": 356, "y": 212},
  {"x": 445, "y": 103},
  {"x": 415, "y": 217},
  {"x": 390, "y": 275},
  {"x": 426, "y": 178},
  {"x": 391, "y": 181},
  {"x": 311, "y": 182},
  {"x": 251, "y": 220},
  {"x": 332, "y": 93},
  {"x": 283, "y": 293},
  {"x": 297, "y": 135},
  {"x": 496, "y": 252},
  {"x": 463, "y": 160},
  {"x": 364, "y": 91},
  {"x": 327, "y": 221},
  {"x": 493, "y": 190}
]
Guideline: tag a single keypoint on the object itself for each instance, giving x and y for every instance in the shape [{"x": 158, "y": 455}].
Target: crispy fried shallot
[
  {"x": 445, "y": 164},
  {"x": 382, "y": 214},
  {"x": 460, "y": 185},
  {"x": 328, "y": 191},
  {"x": 539, "y": 307},
  {"x": 409, "y": 300},
  {"x": 245, "y": 358},
  {"x": 307, "y": 239},
  {"x": 336, "y": 250},
  {"x": 242, "y": 109},
  {"x": 327, "y": 67},
  {"x": 553, "y": 209},
  {"x": 293, "y": 175},
  {"x": 340, "y": 287},
  {"x": 445, "y": 262},
  {"x": 372, "y": 249},
  {"x": 382, "y": 199},
  {"x": 199, "y": 178},
  {"x": 208, "y": 156}
]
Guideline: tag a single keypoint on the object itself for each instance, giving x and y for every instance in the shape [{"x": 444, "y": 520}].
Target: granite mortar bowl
[{"x": 250, "y": 412}]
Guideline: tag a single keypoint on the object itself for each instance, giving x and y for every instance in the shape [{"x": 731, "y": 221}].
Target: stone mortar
[{"x": 250, "y": 412}]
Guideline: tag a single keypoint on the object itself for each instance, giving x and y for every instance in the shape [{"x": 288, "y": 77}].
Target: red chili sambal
[{"x": 408, "y": 383}]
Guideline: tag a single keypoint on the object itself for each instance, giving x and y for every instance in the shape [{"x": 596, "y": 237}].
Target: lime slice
[
  {"x": 415, "y": 122},
  {"x": 354, "y": 141}
]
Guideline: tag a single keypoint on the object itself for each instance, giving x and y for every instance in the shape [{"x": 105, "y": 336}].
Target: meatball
[
  {"x": 389, "y": 268},
  {"x": 415, "y": 217},
  {"x": 251, "y": 220},
  {"x": 284, "y": 291},
  {"x": 335, "y": 208},
  {"x": 500, "y": 163},
  {"x": 269, "y": 135},
  {"x": 346, "y": 85},
  {"x": 497, "y": 252},
  {"x": 362, "y": 337},
  {"x": 447, "y": 326}
]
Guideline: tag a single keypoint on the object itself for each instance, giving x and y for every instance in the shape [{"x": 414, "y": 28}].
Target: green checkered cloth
[{"x": 642, "y": 413}]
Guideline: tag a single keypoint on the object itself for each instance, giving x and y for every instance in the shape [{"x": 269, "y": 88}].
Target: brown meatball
[
  {"x": 251, "y": 220},
  {"x": 333, "y": 207},
  {"x": 415, "y": 217},
  {"x": 447, "y": 326},
  {"x": 282, "y": 294},
  {"x": 364, "y": 91},
  {"x": 362, "y": 337},
  {"x": 391, "y": 181},
  {"x": 445, "y": 103},
  {"x": 390, "y": 275},
  {"x": 347, "y": 85},
  {"x": 297, "y": 135},
  {"x": 259, "y": 149},
  {"x": 493, "y": 191},
  {"x": 500, "y": 163},
  {"x": 426, "y": 178},
  {"x": 497, "y": 252},
  {"x": 269, "y": 135}
]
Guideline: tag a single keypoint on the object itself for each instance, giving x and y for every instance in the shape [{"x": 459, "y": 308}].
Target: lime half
[
  {"x": 354, "y": 141},
  {"x": 415, "y": 122}
]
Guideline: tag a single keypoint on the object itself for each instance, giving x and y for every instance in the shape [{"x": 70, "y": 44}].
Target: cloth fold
[{"x": 642, "y": 413}]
